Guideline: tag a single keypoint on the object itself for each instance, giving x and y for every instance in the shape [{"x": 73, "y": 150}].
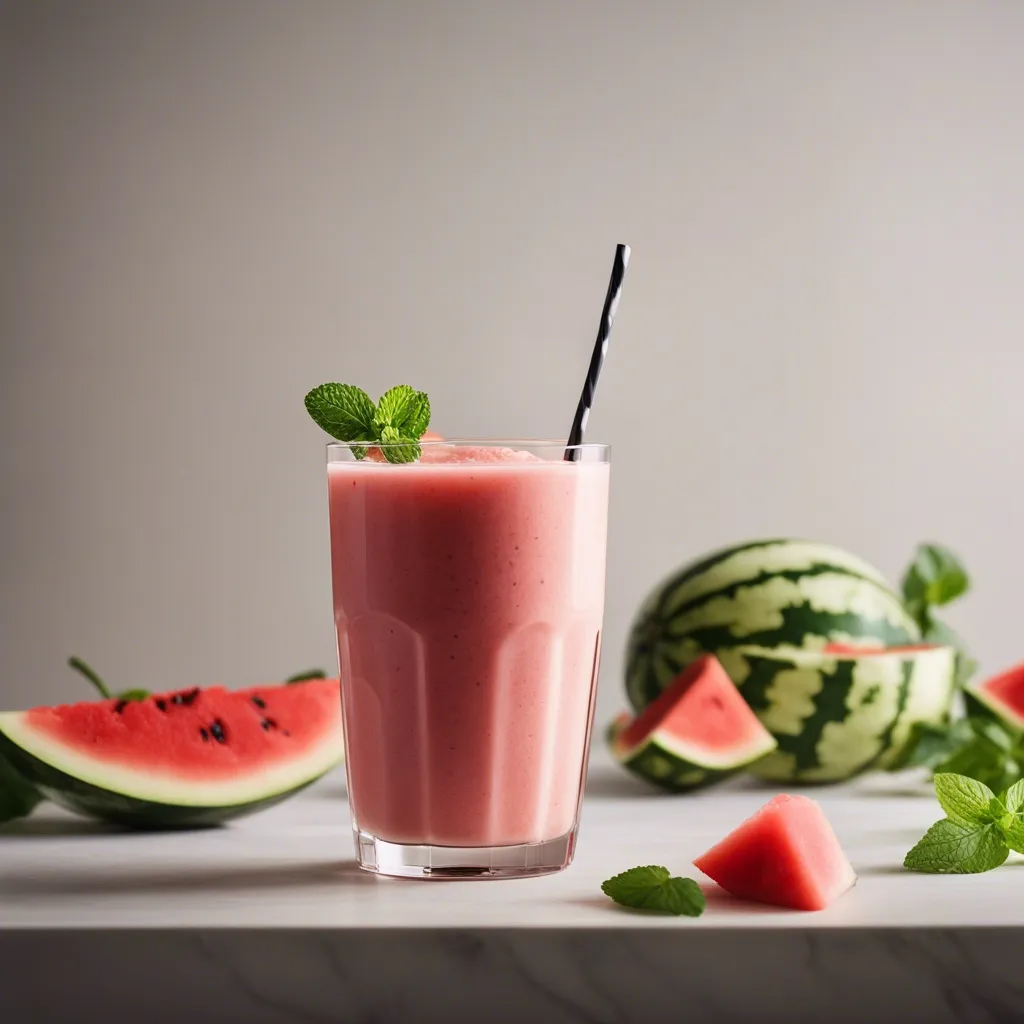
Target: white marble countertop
[
  {"x": 269, "y": 921},
  {"x": 292, "y": 867}
]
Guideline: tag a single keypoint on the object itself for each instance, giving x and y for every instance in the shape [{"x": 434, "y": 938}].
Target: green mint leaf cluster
[
  {"x": 977, "y": 834},
  {"x": 395, "y": 424},
  {"x": 978, "y": 746},
  {"x": 653, "y": 888},
  {"x": 17, "y": 797}
]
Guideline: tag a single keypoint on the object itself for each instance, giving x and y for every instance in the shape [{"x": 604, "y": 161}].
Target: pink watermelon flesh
[
  {"x": 1004, "y": 693},
  {"x": 702, "y": 710},
  {"x": 198, "y": 735},
  {"x": 785, "y": 854}
]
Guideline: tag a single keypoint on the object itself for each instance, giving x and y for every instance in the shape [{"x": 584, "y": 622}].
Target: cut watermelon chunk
[
  {"x": 193, "y": 757},
  {"x": 1004, "y": 696},
  {"x": 785, "y": 854},
  {"x": 699, "y": 730}
]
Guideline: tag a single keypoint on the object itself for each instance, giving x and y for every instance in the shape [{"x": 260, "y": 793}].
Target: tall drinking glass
[{"x": 468, "y": 600}]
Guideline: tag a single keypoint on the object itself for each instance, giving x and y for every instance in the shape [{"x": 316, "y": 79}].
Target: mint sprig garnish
[
  {"x": 395, "y": 424},
  {"x": 978, "y": 833},
  {"x": 653, "y": 888}
]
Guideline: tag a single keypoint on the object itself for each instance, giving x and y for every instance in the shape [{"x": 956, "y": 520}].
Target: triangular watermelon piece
[
  {"x": 785, "y": 854},
  {"x": 699, "y": 730}
]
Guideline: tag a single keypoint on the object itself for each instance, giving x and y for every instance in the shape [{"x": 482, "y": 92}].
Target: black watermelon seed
[
  {"x": 161, "y": 703},
  {"x": 259, "y": 702},
  {"x": 267, "y": 724},
  {"x": 204, "y": 734},
  {"x": 120, "y": 706},
  {"x": 217, "y": 731}
]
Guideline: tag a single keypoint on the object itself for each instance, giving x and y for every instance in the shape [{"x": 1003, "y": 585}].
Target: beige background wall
[{"x": 206, "y": 208}]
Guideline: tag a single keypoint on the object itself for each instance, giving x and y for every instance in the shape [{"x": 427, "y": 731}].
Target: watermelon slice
[
  {"x": 785, "y": 854},
  {"x": 697, "y": 731},
  {"x": 178, "y": 760},
  {"x": 1003, "y": 695}
]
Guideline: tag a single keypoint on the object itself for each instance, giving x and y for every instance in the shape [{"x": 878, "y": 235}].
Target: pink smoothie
[{"x": 468, "y": 598}]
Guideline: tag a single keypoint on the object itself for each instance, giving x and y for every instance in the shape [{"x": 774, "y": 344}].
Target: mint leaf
[
  {"x": 1013, "y": 834},
  {"x": 1014, "y": 797},
  {"x": 18, "y": 797},
  {"x": 652, "y": 888},
  {"x": 988, "y": 729},
  {"x": 951, "y": 849},
  {"x": 401, "y": 418},
  {"x": 345, "y": 412},
  {"x": 405, "y": 409},
  {"x": 965, "y": 801},
  {"x": 935, "y": 577},
  {"x": 397, "y": 448},
  {"x": 417, "y": 417},
  {"x": 399, "y": 453}
]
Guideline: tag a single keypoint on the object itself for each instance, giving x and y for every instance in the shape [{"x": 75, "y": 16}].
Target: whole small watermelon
[{"x": 784, "y": 594}]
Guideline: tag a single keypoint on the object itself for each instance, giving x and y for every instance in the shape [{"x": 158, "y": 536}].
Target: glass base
[{"x": 464, "y": 862}]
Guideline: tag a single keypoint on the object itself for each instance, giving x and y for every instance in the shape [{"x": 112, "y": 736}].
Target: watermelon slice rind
[{"x": 77, "y": 757}]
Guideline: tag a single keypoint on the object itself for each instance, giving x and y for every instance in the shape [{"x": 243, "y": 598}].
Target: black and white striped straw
[{"x": 611, "y": 304}]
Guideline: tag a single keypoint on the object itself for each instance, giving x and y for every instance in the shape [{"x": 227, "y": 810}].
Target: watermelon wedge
[
  {"x": 182, "y": 759},
  {"x": 786, "y": 854},
  {"x": 1003, "y": 695},
  {"x": 697, "y": 731}
]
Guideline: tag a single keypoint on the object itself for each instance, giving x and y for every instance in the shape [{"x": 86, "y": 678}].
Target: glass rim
[{"x": 481, "y": 442}]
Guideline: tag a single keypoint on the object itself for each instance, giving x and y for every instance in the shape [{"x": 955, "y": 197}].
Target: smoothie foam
[{"x": 468, "y": 595}]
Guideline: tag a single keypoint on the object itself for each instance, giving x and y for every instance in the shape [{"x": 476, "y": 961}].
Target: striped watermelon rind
[
  {"x": 835, "y": 715},
  {"x": 665, "y": 762},
  {"x": 789, "y": 594}
]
